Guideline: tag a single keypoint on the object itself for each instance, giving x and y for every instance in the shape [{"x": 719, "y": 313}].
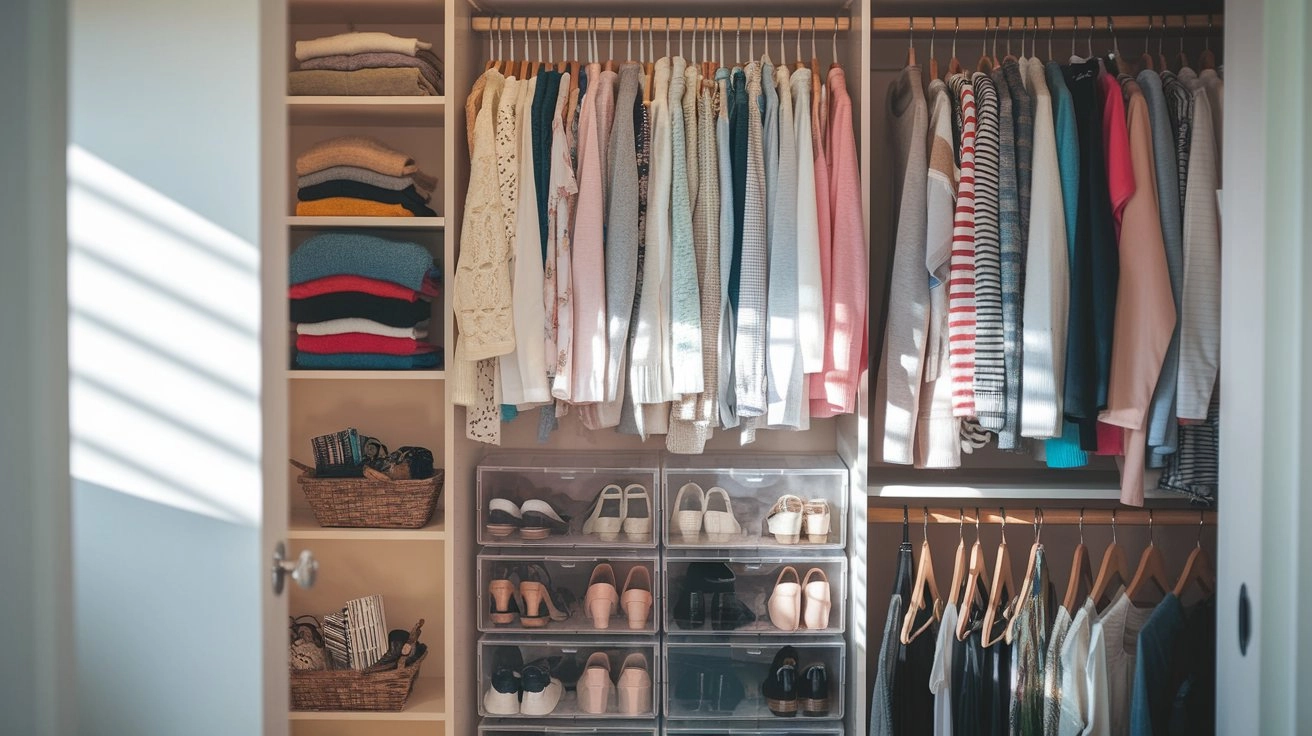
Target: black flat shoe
[
  {"x": 780, "y": 686},
  {"x": 813, "y": 692}
]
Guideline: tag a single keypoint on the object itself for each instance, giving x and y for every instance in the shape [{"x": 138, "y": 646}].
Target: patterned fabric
[
  {"x": 1180, "y": 107},
  {"x": 1061, "y": 624},
  {"x": 1013, "y": 264},
  {"x": 990, "y": 373},
  {"x": 557, "y": 295},
  {"x": 1029, "y": 651},
  {"x": 649, "y": 370},
  {"x": 631, "y": 416},
  {"x": 1192, "y": 470},
  {"x": 961, "y": 283},
  {"x": 749, "y": 342},
  {"x": 728, "y": 412},
  {"x": 1022, "y": 111},
  {"x": 623, "y": 233}
]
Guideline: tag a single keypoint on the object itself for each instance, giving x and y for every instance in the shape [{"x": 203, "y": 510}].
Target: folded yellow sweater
[{"x": 350, "y": 207}]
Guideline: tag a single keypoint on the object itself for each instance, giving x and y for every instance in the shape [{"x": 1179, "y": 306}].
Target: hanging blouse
[
  {"x": 728, "y": 247},
  {"x": 990, "y": 374},
  {"x": 784, "y": 362},
  {"x": 650, "y": 369},
  {"x": 1029, "y": 649},
  {"x": 847, "y": 302},
  {"x": 905, "y": 334},
  {"x": 558, "y": 298},
  {"x": 588, "y": 374},
  {"x": 1200, "y": 315},
  {"x": 1047, "y": 276},
  {"x": 684, "y": 346},
  {"x": 633, "y": 418},
  {"x": 824, "y": 229},
  {"x": 1012, "y": 247},
  {"x": 810, "y": 285}
]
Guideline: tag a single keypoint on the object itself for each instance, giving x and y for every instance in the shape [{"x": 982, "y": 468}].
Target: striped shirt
[
  {"x": 990, "y": 375},
  {"x": 961, "y": 279},
  {"x": 1013, "y": 264}
]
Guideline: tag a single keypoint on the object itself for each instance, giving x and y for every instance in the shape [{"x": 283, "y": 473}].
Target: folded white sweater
[
  {"x": 359, "y": 42},
  {"x": 357, "y": 324}
]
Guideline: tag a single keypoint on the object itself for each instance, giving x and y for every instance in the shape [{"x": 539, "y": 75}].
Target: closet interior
[{"x": 941, "y": 507}]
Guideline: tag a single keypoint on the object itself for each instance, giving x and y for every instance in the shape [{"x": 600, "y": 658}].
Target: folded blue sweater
[
  {"x": 357, "y": 254},
  {"x": 367, "y": 361}
]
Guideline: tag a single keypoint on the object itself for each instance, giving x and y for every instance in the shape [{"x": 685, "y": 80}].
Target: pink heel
[
  {"x": 602, "y": 599},
  {"x": 594, "y": 686},
  {"x": 635, "y": 686},
  {"x": 637, "y": 598}
]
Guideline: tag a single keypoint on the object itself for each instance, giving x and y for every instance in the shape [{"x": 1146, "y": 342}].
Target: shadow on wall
[{"x": 164, "y": 356}]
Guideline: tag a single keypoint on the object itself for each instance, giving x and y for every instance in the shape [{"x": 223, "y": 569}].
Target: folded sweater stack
[
  {"x": 355, "y": 176},
  {"x": 366, "y": 63},
  {"x": 362, "y": 302}
]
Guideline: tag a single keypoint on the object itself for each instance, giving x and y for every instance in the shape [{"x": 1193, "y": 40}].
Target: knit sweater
[
  {"x": 847, "y": 299},
  {"x": 1046, "y": 276},
  {"x": 908, "y": 297},
  {"x": 684, "y": 339},
  {"x": 650, "y": 369},
  {"x": 337, "y": 253},
  {"x": 990, "y": 369},
  {"x": 749, "y": 340},
  {"x": 961, "y": 284},
  {"x": 1162, "y": 426},
  {"x": 1013, "y": 264},
  {"x": 364, "y": 152},
  {"x": 622, "y": 239},
  {"x": 359, "y": 42}
]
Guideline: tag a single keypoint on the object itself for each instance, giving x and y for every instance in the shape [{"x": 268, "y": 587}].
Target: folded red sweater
[
  {"x": 360, "y": 342},
  {"x": 363, "y": 285}
]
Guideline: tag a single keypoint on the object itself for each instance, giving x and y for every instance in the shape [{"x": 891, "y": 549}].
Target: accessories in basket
[
  {"x": 374, "y": 500},
  {"x": 383, "y": 685},
  {"x": 306, "y": 651}
]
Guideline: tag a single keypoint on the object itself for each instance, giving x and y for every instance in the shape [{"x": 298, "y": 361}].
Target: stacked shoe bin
[
  {"x": 755, "y": 600},
  {"x": 569, "y": 586}
]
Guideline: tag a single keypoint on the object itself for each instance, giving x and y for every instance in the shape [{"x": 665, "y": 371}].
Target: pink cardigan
[{"x": 845, "y": 295}]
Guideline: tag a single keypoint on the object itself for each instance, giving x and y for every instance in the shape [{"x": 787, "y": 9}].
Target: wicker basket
[
  {"x": 373, "y": 501},
  {"x": 353, "y": 690}
]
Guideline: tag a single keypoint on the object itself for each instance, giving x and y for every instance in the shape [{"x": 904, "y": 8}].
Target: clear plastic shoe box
[
  {"x": 499, "y": 727},
  {"x": 721, "y": 502},
  {"x": 725, "y": 681},
  {"x": 718, "y": 596},
  {"x": 501, "y": 604},
  {"x": 601, "y": 691},
  {"x": 548, "y": 500}
]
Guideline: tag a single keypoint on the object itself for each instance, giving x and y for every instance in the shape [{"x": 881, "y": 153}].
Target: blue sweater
[{"x": 357, "y": 254}]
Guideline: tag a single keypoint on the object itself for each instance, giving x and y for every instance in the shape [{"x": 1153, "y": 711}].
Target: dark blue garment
[
  {"x": 738, "y": 158},
  {"x": 1174, "y": 690},
  {"x": 1150, "y": 700},
  {"x": 541, "y": 117}
]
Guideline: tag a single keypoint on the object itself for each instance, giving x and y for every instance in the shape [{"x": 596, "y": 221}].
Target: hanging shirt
[
  {"x": 1084, "y": 701},
  {"x": 1013, "y": 264},
  {"x": 810, "y": 287},
  {"x": 1052, "y": 672},
  {"x": 824, "y": 227},
  {"x": 684, "y": 339},
  {"x": 1162, "y": 425},
  {"x": 588, "y": 362},
  {"x": 784, "y": 359},
  {"x": 1029, "y": 651},
  {"x": 1119, "y": 626},
  {"x": 908, "y": 316},
  {"x": 881, "y": 698},
  {"x": 650, "y": 369},
  {"x": 940, "y": 678},
  {"x": 1047, "y": 282},
  {"x": 749, "y": 341},
  {"x": 1200, "y": 313},
  {"x": 728, "y": 248},
  {"x": 558, "y": 300},
  {"x": 990, "y": 382}
]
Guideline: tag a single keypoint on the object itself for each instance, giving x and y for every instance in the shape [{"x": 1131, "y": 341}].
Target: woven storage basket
[
  {"x": 353, "y": 690},
  {"x": 373, "y": 501}
]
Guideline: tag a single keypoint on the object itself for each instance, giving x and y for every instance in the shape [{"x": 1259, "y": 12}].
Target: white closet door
[{"x": 172, "y": 515}]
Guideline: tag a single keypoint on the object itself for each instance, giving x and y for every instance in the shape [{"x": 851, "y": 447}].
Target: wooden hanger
[
  {"x": 1009, "y": 56},
  {"x": 575, "y": 66},
  {"x": 1079, "y": 571},
  {"x": 1208, "y": 59},
  {"x": 1197, "y": 569},
  {"x": 648, "y": 68},
  {"x": 954, "y": 65},
  {"x": 958, "y": 564},
  {"x": 1146, "y": 61},
  {"x": 985, "y": 64},
  {"x": 1161, "y": 57},
  {"x": 1122, "y": 65},
  {"x": 1182, "y": 58},
  {"x": 817, "y": 80},
  {"x": 924, "y": 579},
  {"x": 801, "y": 63},
  {"x": 977, "y": 574},
  {"x": 1151, "y": 567},
  {"x": 933, "y": 59},
  {"x": 492, "y": 55},
  {"x": 1113, "y": 564},
  {"x": 1027, "y": 580},
  {"x": 911, "y": 42},
  {"x": 1004, "y": 582}
]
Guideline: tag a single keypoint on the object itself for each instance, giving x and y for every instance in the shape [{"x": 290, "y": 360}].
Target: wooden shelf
[
  {"x": 317, "y": 375},
  {"x": 385, "y": 223},
  {"x": 303, "y": 526},
  {"x": 427, "y": 703},
  {"x": 372, "y": 11},
  {"x": 366, "y": 111}
]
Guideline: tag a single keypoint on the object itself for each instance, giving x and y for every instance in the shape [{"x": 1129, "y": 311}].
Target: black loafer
[
  {"x": 813, "y": 692},
  {"x": 780, "y": 686}
]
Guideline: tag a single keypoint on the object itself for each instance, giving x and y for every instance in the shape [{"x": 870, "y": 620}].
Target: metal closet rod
[
  {"x": 828, "y": 24},
  {"x": 1079, "y": 23},
  {"x": 1025, "y": 515}
]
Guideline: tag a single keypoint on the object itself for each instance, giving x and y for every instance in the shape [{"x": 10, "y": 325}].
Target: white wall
[
  {"x": 164, "y": 182},
  {"x": 36, "y": 682}
]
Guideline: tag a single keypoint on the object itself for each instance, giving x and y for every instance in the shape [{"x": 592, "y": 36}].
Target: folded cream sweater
[{"x": 360, "y": 42}]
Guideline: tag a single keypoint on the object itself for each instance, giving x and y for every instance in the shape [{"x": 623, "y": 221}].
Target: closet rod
[
  {"x": 1174, "y": 24},
  {"x": 1025, "y": 515},
  {"x": 775, "y": 24}
]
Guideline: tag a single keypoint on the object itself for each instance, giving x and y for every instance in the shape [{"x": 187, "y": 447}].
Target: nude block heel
[
  {"x": 502, "y": 592},
  {"x": 594, "y": 687},
  {"x": 533, "y": 616},
  {"x": 635, "y": 686},
  {"x": 637, "y": 597}
]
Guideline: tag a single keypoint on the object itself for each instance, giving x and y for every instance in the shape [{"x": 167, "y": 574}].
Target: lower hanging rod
[
  {"x": 776, "y": 24},
  {"x": 1026, "y": 515}
]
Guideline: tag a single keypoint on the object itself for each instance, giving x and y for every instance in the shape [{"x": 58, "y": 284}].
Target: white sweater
[{"x": 1047, "y": 280}]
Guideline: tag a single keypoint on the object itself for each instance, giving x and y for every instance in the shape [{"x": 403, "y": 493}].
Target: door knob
[{"x": 303, "y": 569}]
